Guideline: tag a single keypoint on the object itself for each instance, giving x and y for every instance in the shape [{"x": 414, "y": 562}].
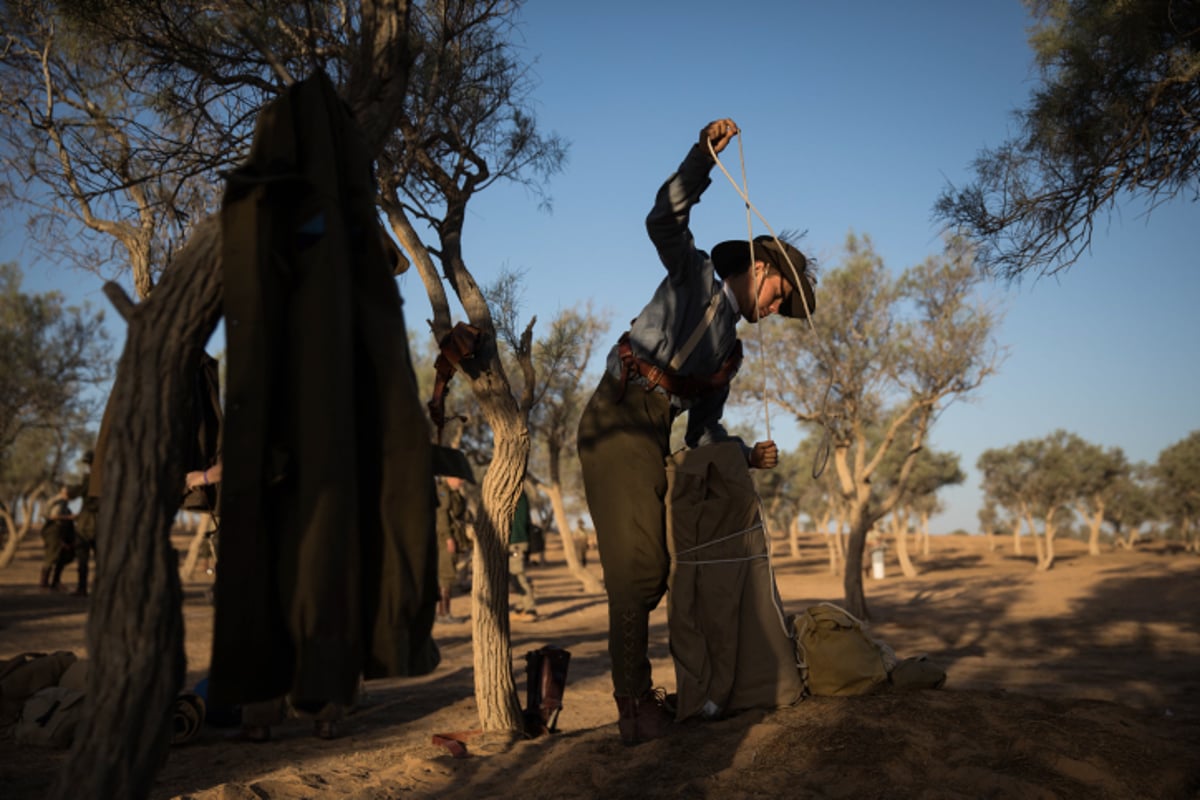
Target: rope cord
[
  {"x": 762, "y": 342},
  {"x": 722, "y": 560},
  {"x": 821, "y": 457},
  {"x": 718, "y": 541},
  {"x": 776, "y": 603}
]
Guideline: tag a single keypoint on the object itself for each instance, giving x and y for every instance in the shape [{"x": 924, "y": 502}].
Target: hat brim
[{"x": 733, "y": 256}]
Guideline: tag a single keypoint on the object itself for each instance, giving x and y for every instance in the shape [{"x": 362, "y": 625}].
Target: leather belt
[{"x": 672, "y": 383}]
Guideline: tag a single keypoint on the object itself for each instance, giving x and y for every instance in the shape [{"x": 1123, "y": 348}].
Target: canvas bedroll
[{"x": 730, "y": 641}]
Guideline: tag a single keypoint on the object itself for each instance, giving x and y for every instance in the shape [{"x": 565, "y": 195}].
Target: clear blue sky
[{"x": 854, "y": 117}]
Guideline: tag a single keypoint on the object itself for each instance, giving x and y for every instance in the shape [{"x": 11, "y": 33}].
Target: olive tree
[
  {"x": 1114, "y": 116},
  {"x": 465, "y": 125},
  {"x": 1042, "y": 482},
  {"x": 51, "y": 358},
  {"x": 226, "y": 64},
  {"x": 561, "y": 357},
  {"x": 110, "y": 176},
  {"x": 884, "y": 352},
  {"x": 1177, "y": 477}
]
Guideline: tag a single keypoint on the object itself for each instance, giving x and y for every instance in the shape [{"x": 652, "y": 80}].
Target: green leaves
[{"x": 50, "y": 354}]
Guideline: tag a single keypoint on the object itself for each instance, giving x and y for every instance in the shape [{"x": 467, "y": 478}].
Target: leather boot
[
  {"x": 45, "y": 584},
  {"x": 643, "y": 718}
]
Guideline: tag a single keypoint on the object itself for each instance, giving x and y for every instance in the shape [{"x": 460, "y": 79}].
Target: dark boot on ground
[
  {"x": 45, "y": 584},
  {"x": 643, "y": 718}
]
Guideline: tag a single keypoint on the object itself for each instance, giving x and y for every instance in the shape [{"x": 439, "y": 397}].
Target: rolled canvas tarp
[{"x": 729, "y": 640}]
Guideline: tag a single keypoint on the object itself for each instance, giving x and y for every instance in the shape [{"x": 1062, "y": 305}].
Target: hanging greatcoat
[
  {"x": 729, "y": 640},
  {"x": 327, "y": 556}
]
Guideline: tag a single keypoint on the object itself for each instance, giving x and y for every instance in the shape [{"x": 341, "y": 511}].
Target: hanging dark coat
[{"x": 327, "y": 563}]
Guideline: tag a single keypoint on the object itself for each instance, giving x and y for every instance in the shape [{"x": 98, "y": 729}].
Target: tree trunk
[
  {"x": 835, "y": 561},
  {"x": 591, "y": 584},
  {"x": 1094, "y": 524},
  {"x": 495, "y": 691},
  {"x": 1046, "y": 553},
  {"x": 27, "y": 509},
  {"x": 1039, "y": 544},
  {"x": 900, "y": 533},
  {"x": 203, "y": 527},
  {"x": 8, "y": 528},
  {"x": 12, "y": 538},
  {"x": 852, "y": 580},
  {"x": 1017, "y": 538},
  {"x": 839, "y": 542},
  {"x": 925, "y": 542},
  {"x": 135, "y": 628}
]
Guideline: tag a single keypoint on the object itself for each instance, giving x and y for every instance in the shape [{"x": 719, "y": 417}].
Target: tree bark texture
[
  {"x": 1046, "y": 558},
  {"x": 495, "y": 690},
  {"x": 591, "y": 584},
  {"x": 852, "y": 580},
  {"x": 15, "y": 534},
  {"x": 1094, "y": 524},
  {"x": 135, "y": 627},
  {"x": 900, "y": 532},
  {"x": 203, "y": 528}
]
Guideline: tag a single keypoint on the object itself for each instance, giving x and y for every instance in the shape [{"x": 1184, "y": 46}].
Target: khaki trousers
[{"x": 623, "y": 443}]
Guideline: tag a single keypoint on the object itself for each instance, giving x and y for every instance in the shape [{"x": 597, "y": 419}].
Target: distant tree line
[
  {"x": 1042, "y": 486},
  {"x": 51, "y": 354}
]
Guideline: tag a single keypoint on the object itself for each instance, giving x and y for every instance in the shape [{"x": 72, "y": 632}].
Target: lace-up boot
[{"x": 643, "y": 718}]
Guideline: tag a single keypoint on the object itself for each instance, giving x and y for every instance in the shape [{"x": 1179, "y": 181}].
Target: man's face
[{"x": 772, "y": 290}]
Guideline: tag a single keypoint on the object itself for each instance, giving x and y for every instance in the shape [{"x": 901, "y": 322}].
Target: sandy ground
[{"x": 1083, "y": 682}]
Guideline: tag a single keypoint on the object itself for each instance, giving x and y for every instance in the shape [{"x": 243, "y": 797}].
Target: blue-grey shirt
[{"x": 680, "y": 301}]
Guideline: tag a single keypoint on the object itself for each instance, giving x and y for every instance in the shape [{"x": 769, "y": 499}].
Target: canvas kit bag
[
  {"x": 729, "y": 637},
  {"x": 837, "y": 656},
  {"x": 49, "y": 717},
  {"x": 24, "y": 675}
]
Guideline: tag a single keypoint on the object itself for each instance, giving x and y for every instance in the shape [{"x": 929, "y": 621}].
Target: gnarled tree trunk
[
  {"x": 27, "y": 509},
  {"x": 135, "y": 628},
  {"x": 591, "y": 584},
  {"x": 495, "y": 691}
]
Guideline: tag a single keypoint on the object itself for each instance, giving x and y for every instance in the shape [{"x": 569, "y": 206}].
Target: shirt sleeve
[
  {"x": 667, "y": 222},
  {"x": 704, "y": 423}
]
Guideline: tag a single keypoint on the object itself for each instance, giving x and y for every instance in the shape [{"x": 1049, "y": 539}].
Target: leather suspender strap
[{"x": 694, "y": 339}]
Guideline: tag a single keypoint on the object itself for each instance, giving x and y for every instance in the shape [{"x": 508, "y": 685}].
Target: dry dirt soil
[{"x": 1080, "y": 682}]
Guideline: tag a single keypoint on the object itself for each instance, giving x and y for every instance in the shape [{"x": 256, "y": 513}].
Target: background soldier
[
  {"x": 58, "y": 534},
  {"x": 85, "y": 523},
  {"x": 525, "y": 605},
  {"x": 452, "y": 519}
]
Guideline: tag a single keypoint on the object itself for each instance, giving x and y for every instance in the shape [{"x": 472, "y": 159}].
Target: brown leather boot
[{"x": 643, "y": 718}]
